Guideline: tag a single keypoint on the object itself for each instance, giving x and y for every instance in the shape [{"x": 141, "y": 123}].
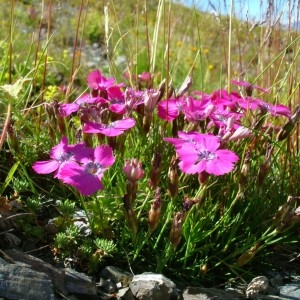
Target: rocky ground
[
  {"x": 28, "y": 271},
  {"x": 24, "y": 276}
]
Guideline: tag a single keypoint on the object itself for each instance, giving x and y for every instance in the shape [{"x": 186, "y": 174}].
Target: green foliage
[
  {"x": 107, "y": 246},
  {"x": 66, "y": 208}
]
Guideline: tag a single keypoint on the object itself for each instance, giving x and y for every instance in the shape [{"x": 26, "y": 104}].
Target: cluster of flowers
[{"x": 108, "y": 110}]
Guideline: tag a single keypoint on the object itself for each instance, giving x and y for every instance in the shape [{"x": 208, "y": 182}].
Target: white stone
[{"x": 258, "y": 285}]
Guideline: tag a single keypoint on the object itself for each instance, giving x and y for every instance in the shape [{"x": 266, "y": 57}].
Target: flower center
[
  {"x": 206, "y": 155},
  {"x": 93, "y": 168},
  {"x": 65, "y": 157}
]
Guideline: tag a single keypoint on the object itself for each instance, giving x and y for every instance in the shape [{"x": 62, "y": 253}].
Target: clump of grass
[{"x": 179, "y": 167}]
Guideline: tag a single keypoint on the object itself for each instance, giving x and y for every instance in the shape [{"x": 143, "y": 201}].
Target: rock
[
  {"x": 79, "y": 283},
  {"x": 56, "y": 275},
  {"x": 19, "y": 282},
  {"x": 258, "y": 285},
  {"x": 290, "y": 291},
  {"x": 199, "y": 293},
  {"x": 116, "y": 275},
  {"x": 147, "y": 286}
]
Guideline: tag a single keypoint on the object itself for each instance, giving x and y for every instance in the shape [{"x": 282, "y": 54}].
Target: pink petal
[
  {"x": 45, "y": 167},
  {"x": 249, "y": 85},
  {"x": 67, "y": 108},
  {"x": 169, "y": 109},
  {"x": 60, "y": 148},
  {"x": 104, "y": 156},
  {"x": 71, "y": 173},
  {"x": 90, "y": 127},
  {"x": 89, "y": 184}
]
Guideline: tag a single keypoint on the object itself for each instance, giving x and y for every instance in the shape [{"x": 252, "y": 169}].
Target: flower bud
[
  {"x": 60, "y": 121},
  {"x": 288, "y": 214},
  {"x": 12, "y": 138},
  {"x": 133, "y": 170},
  {"x": 289, "y": 126},
  {"x": 203, "y": 178},
  {"x": 176, "y": 230},
  {"x": 155, "y": 211},
  {"x": 245, "y": 170},
  {"x": 155, "y": 171},
  {"x": 265, "y": 166},
  {"x": 173, "y": 177},
  {"x": 150, "y": 101}
]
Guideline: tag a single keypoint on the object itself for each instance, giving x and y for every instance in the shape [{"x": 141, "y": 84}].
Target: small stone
[
  {"x": 258, "y": 285},
  {"x": 147, "y": 286}
]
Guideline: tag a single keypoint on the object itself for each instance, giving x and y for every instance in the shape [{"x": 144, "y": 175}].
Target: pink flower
[
  {"x": 203, "y": 154},
  {"x": 133, "y": 170},
  {"x": 273, "y": 109},
  {"x": 60, "y": 154},
  {"x": 223, "y": 118},
  {"x": 66, "y": 109},
  {"x": 97, "y": 81},
  {"x": 116, "y": 100},
  {"x": 188, "y": 137},
  {"x": 169, "y": 109},
  {"x": 133, "y": 98},
  {"x": 222, "y": 99},
  {"x": 197, "y": 110},
  {"x": 112, "y": 129},
  {"x": 145, "y": 76},
  {"x": 86, "y": 177},
  {"x": 249, "y": 86}
]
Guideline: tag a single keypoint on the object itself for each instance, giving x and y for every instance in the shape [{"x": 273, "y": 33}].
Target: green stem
[
  {"x": 86, "y": 213},
  {"x": 229, "y": 46},
  {"x": 169, "y": 211}
]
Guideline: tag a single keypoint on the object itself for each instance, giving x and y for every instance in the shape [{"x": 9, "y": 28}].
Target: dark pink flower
[
  {"x": 273, "y": 109},
  {"x": 169, "y": 109},
  {"x": 66, "y": 109},
  {"x": 224, "y": 118},
  {"x": 221, "y": 98},
  {"x": 116, "y": 100},
  {"x": 133, "y": 98},
  {"x": 112, "y": 129},
  {"x": 86, "y": 177},
  {"x": 97, "y": 81},
  {"x": 197, "y": 110},
  {"x": 249, "y": 86},
  {"x": 59, "y": 155}
]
